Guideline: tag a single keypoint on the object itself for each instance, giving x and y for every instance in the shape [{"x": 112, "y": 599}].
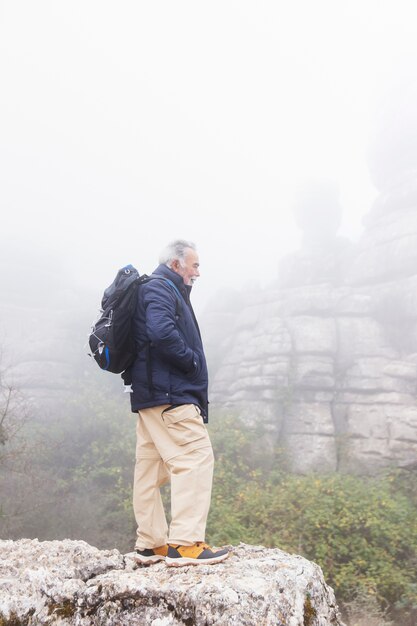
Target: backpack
[{"x": 111, "y": 339}]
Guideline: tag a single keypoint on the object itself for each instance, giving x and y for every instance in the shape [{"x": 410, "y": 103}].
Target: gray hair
[{"x": 176, "y": 250}]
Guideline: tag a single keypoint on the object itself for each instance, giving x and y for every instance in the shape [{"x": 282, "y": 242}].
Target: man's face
[{"x": 189, "y": 270}]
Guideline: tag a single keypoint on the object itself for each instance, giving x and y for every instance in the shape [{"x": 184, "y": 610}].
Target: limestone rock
[
  {"x": 313, "y": 334},
  {"x": 72, "y": 583},
  {"x": 327, "y": 361},
  {"x": 309, "y": 437}
]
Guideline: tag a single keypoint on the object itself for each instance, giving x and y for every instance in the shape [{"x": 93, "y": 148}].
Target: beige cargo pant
[{"x": 172, "y": 445}]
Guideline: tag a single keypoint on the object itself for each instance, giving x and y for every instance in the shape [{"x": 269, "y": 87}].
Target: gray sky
[{"x": 124, "y": 125}]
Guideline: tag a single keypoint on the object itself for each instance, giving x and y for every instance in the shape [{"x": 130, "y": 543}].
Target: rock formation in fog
[
  {"x": 44, "y": 321},
  {"x": 70, "y": 582},
  {"x": 326, "y": 359}
]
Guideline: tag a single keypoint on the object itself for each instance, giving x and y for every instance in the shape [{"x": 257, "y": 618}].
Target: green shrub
[{"x": 362, "y": 531}]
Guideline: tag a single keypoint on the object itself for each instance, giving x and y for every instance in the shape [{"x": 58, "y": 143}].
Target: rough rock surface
[
  {"x": 72, "y": 583},
  {"x": 330, "y": 372}
]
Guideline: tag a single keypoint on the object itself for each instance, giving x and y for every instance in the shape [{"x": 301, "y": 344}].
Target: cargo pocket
[{"x": 184, "y": 424}]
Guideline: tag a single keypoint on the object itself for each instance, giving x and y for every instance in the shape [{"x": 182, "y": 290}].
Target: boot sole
[
  {"x": 147, "y": 560},
  {"x": 180, "y": 562}
]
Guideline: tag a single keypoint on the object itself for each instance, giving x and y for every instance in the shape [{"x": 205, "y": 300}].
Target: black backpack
[{"x": 111, "y": 339}]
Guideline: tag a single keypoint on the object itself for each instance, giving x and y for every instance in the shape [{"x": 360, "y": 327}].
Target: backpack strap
[{"x": 175, "y": 288}]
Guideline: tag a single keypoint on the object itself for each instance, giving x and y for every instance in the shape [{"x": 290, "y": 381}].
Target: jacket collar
[
  {"x": 167, "y": 272},
  {"x": 185, "y": 290}
]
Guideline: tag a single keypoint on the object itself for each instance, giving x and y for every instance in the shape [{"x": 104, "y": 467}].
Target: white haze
[{"x": 126, "y": 124}]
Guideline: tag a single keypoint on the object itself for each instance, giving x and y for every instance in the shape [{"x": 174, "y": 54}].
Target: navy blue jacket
[{"x": 170, "y": 367}]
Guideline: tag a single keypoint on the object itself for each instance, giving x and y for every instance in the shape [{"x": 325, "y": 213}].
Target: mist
[
  {"x": 282, "y": 139},
  {"x": 125, "y": 127}
]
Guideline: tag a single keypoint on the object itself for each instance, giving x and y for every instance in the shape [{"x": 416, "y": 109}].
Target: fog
[{"x": 125, "y": 125}]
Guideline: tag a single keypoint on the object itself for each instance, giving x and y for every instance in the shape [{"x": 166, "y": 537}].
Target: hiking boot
[
  {"x": 199, "y": 553},
  {"x": 151, "y": 555}
]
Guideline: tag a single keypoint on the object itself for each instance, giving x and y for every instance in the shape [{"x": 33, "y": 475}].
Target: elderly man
[{"x": 169, "y": 390}]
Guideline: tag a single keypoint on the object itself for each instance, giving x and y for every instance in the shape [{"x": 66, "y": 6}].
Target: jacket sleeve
[{"x": 160, "y": 303}]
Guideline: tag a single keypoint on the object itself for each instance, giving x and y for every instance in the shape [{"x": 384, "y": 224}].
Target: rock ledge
[{"x": 72, "y": 583}]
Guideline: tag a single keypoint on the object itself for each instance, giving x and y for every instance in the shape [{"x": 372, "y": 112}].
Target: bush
[{"x": 362, "y": 531}]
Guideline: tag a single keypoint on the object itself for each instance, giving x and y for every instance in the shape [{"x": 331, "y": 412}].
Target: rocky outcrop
[
  {"x": 72, "y": 583},
  {"x": 331, "y": 380},
  {"x": 326, "y": 358},
  {"x": 44, "y": 323}
]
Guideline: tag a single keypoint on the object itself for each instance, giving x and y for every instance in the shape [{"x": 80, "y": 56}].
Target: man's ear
[{"x": 175, "y": 265}]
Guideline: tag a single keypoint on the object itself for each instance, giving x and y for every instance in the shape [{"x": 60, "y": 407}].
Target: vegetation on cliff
[{"x": 362, "y": 531}]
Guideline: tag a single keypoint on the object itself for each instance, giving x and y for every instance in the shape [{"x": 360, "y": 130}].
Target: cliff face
[
  {"x": 329, "y": 374},
  {"x": 72, "y": 583},
  {"x": 326, "y": 358}
]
